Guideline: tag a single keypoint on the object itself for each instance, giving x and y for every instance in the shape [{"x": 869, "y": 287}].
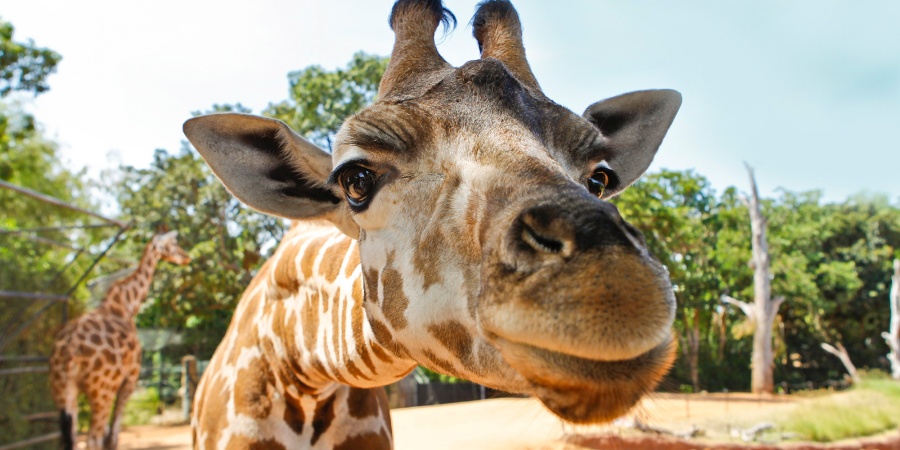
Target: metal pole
[
  {"x": 33, "y": 296},
  {"x": 161, "y": 368},
  {"x": 188, "y": 384},
  {"x": 59, "y": 228},
  {"x": 98, "y": 258},
  {"x": 17, "y": 358},
  {"x": 32, "y": 441},
  {"x": 53, "y": 243},
  {"x": 21, "y": 370},
  {"x": 57, "y": 202}
]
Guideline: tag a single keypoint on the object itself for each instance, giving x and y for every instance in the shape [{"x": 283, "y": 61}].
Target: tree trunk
[
  {"x": 691, "y": 347},
  {"x": 765, "y": 308},
  {"x": 892, "y": 336},
  {"x": 841, "y": 353}
]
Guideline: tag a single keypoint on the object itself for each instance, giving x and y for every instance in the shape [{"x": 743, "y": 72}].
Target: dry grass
[{"x": 870, "y": 408}]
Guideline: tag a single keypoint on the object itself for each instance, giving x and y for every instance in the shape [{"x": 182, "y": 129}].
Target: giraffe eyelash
[{"x": 333, "y": 179}]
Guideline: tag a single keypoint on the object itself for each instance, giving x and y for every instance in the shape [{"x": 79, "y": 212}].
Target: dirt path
[
  {"x": 507, "y": 424},
  {"x": 517, "y": 424}
]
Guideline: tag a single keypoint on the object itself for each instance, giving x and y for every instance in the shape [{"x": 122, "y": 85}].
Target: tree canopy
[
  {"x": 320, "y": 99},
  {"x": 45, "y": 261},
  {"x": 831, "y": 261},
  {"x": 226, "y": 240},
  {"x": 23, "y": 65}
]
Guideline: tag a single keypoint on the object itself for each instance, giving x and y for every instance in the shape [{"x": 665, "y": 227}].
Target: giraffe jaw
[{"x": 585, "y": 391}]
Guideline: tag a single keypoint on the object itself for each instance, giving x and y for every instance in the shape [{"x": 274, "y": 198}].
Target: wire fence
[{"x": 34, "y": 307}]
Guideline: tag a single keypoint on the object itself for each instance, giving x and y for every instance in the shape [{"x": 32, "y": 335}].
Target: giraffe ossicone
[
  {"x": 99, "y": 354},
  {"x": 459, "y": 224}
]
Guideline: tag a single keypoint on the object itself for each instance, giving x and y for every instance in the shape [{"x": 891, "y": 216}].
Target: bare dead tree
[
  {"x": 892, "y": 336},
  {"x": 764, "y": 310},
  {"x": 844, "y": 356}
]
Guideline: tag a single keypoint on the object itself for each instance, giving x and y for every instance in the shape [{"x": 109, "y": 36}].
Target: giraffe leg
[
  {"x": 65, "y": 395},
  {"x": 101, "y": 405},
  {"x": 68, "y": 419},
  {"x": 111, "y": 440}
]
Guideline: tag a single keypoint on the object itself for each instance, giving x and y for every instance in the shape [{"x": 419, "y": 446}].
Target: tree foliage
[
  {"x": 831, "y": 261},
  {"x": 33, "y": 261},
  {"x": 320, "y": 99},
  {"x": 24, "y": 66},
  {"x": 226, "y": 240}
]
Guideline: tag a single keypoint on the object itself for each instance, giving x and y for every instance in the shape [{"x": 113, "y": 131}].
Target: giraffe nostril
[
  {"x": 541, "y": 232},
  {"x": 540, "y": 243}
]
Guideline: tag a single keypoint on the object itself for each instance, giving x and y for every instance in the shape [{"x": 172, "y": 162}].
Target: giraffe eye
[
  {"x": 600, "y": 180},
  {"x": 358, "y": 184}
]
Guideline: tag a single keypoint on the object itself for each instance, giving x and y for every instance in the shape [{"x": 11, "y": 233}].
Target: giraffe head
[
  {"x": 168, "y": 248},
  {"x": 487, "y": 246}
]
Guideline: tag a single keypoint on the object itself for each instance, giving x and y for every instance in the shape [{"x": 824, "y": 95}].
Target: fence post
[{"x": 188, "y": 384}]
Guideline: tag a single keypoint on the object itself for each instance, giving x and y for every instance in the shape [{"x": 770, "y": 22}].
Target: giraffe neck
[
  {"x": 301, "y": 351},
  {"x": 302, "y": 330},
  {"x": 315, "y": 292},
  {"x": 125, "y": 296}
]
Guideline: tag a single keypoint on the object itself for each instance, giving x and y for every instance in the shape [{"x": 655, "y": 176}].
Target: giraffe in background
[
  {"x": 99, "y": 353},
  {"x": 459, "y": 224}
]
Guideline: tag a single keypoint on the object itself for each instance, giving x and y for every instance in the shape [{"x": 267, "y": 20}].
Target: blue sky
[{"x": 807, "y": 92}]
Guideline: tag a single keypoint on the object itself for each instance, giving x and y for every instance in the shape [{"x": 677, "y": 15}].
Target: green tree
[
  {"x": 226, "y": 240},
  {"x": 32, "y": 261},
  {"x": 832, "y": 261},
  {"x": 320, "y": 100},
  {"x": 27, "y": 261},
  {"x": 24, "y": 66},
  {"x": 829, "y": 260},
  {"x": 678, "y": 215}
]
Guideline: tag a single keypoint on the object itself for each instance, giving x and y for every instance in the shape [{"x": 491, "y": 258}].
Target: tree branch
[
  {"x": 753, "y": 190},
  {"x": 830, "y": 349},
  {"x": 842, "y": 354},
  {"x": 776, "y": 303},
  {"x": 890, "y": 341},
  {"x": 744, "y": 306}
]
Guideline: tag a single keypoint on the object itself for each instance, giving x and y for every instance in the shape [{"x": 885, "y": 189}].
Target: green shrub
[{"x": 142, "y": 405}]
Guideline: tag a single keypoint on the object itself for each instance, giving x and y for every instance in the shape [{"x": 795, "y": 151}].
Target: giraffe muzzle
[
  {"x": 614, "y": 308},
  {"x": 578, "y": 307},
  {"x": 581, "y": 390},
  {"x": 575, "y": 278}
]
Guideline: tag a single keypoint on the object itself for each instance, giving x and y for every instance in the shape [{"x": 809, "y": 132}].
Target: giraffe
[
  {"x": 461, "y": 224},
  {"x": 99, "y": 353}
]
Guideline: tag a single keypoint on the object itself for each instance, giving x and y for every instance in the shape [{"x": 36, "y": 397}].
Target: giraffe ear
[
  {"x": 634, "y": 126},
  {"x": 268, "y": 166}
]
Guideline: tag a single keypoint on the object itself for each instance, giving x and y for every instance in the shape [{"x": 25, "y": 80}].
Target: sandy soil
[{"x": 517, "y": 424}]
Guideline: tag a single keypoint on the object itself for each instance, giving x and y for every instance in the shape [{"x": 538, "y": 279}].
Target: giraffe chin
[{"x": 587, "y": 391}]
